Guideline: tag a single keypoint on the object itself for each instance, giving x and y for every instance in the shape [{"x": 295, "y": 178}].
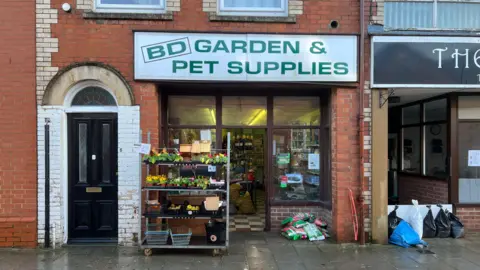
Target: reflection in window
[
  {"x": 106, "y": 159},
  {"x": 469, "y": 176},
  {"x": 302, "y": 111},
  {"x": 411, "y": 115},
  {"x": 436, "y": 150},
  {"x": 436, "y": 110},
  {"x": 189, "y": 135},
  {"x": 82, "y": 153},
  {"x": 296, "y": 170},
  {"x": 191, "y": 110},
  {"x": 93, "y": 96},
  {"x": 411, "y": 150},
  {"x": 246, "y": 111}
]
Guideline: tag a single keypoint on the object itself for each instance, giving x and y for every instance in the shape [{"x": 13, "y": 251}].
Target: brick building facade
[
  {"x": 18, "y": 188},
  {"x": 90, "y": 46}
]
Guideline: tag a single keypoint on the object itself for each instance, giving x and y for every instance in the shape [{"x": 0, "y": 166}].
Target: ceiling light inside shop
[
  {"x": 257, "y": 117},
  {"x": 212, "y": 114}
]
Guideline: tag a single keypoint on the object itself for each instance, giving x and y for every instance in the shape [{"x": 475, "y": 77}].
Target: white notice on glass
[
  {"x": 474, "y": 158},
  {"x": 314, "y": 161},
  {"x": 205, "y": 135},
  {"x": 144, "y": 148}
]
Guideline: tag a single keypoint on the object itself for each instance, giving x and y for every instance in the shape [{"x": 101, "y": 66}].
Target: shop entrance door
[{"x": 92, "y": 194}]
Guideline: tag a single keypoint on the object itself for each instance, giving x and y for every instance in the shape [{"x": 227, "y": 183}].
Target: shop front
[
  {"x": 431, "y": 84},
  {"x": 273, "y": 93}
]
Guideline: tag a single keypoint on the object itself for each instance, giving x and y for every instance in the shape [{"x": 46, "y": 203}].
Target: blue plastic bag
[{"x": 405, "y": 236}]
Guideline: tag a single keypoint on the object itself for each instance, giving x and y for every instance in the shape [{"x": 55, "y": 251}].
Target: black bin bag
[
  {"x": 429, "y": 227},
  {"x": 457, "y": 228},
  {"x": 393, "y": 221},
  {"x": 443, "y": 224}
]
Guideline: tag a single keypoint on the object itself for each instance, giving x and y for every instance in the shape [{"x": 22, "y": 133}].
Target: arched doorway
[
  {"x": 92, "y": 165},
  {"x": 94, "y": 124}
]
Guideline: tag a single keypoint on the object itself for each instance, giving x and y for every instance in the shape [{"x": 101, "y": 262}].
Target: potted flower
[
  {"x": 162, "y": 180},
  {"x": 149, "y": 181}
]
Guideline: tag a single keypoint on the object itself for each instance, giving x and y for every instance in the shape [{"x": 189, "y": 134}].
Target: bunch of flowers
[
  {"x": 163, "y": 156},
  {"x": 218, "y": 158},
  {"x": 155, "y": 180}
]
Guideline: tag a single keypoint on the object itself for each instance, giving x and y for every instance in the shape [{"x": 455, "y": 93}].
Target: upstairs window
[
  {"x": 130, "y": 6},
  {"x": 253, "y": 7},
  {"x": 431, "y": 15}
]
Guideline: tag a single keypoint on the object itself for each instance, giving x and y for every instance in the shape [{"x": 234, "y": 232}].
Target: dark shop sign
[{"x": 441, "y": 62}]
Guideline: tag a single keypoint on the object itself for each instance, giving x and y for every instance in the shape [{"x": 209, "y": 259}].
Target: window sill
[
  {"x": 467, "y": 205},
  {"x": 326, "y": 205},
  {"x": 254, "y": 19},
  {"x": 90, "y": 15}
]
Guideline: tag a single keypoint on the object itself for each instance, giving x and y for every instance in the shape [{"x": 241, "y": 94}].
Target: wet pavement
[{"x": 257, "y": 251}]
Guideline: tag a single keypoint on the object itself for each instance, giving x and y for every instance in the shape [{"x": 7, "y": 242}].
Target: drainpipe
[
  {"x": 360, "y": 118},
  {"x": 47, "y": 183}
]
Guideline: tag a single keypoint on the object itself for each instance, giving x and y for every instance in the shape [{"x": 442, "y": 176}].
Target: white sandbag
[{"x": 415, "y": 219}]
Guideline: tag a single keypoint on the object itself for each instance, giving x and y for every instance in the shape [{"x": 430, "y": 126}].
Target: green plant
[{"x": 214, "y": 159}]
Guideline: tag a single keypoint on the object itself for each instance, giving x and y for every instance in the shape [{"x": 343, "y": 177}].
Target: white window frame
[
  {"x": 254, "y": 11},
  {"x": 119, "y": 8}
]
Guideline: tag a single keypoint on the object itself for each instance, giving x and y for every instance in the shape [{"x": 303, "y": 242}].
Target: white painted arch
[{"x": 71, "y": 78}]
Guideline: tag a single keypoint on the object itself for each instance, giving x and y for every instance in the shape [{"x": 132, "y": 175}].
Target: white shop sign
[{"x": 245, "y": 57}]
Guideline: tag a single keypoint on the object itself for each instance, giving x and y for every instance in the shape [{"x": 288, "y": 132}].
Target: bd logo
[{"x": 167, "y": 49}]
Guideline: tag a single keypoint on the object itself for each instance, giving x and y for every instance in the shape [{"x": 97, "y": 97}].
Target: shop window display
[{"x": 296, "y": 164}]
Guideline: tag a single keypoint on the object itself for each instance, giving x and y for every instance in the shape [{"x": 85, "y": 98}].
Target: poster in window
[
  {"x": 314, "y": 161},
  {"x": 474, "y": 158}
]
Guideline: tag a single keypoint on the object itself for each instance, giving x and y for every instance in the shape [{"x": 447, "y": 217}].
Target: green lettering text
[
  {"x": 235, "y": 67},
  {"x": 177, "y": 64},
  {"x": 203, "y": 46}
]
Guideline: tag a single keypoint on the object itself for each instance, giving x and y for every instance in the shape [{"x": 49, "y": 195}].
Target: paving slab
[{"x": 253, "y": 251}]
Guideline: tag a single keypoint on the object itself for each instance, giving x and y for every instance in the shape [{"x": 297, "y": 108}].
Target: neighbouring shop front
[
  {"x": 432, "y": 87},
  {"x": 272, "y": 93}
]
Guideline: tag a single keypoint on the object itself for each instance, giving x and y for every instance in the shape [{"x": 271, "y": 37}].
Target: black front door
[{"x": 92, "y": 176}]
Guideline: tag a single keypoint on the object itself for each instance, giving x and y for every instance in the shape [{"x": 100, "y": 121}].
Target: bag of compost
[
  {"x": 443, "y": 224},
  {"x": 457, "y": 228},
  {"x": 393, "y": 221},
  {"x": 429, "y": 227}
]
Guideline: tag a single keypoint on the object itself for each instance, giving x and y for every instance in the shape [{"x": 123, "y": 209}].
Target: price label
[
  {"x": 283, "y": 181},
  {"x": 212, "y": 168},
  {"x": 144, "y": 148}
]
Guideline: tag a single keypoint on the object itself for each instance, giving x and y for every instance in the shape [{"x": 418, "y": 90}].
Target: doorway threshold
[{"x": 110, "y": 242}]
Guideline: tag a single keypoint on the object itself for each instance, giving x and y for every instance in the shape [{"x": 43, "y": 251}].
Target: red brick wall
[
  {"x": 345, "y": 160},
  {"x": 279, "y": 213},
  {"x": 470, "y": 217},
  {"x": 18, "y": 188},
  {"x": 424, "y": 190}
]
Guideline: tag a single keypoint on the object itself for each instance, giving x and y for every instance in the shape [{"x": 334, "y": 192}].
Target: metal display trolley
[{"x": 160, "y": 236}]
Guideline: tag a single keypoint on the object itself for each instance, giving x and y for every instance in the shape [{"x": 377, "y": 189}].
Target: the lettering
[
  {"x": 257, "y": 46},
  {"x": 177, "y": 65},
  {"x": 456, "y": 55},
  {"x": 235, "y": 67},
  {"x": 221, "y": 46},
  {"x": 439, "y": 55},
  {"x": 156, "y": 52},
  {"x": 239, "y": 45},
  {"x": 287, "y": 66},
  {"x": 274, "y": 46},
  {"x": 203, "y": 48},
  {"x": 318, "y": 48},
  {"x": 341, "y": 68}
]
